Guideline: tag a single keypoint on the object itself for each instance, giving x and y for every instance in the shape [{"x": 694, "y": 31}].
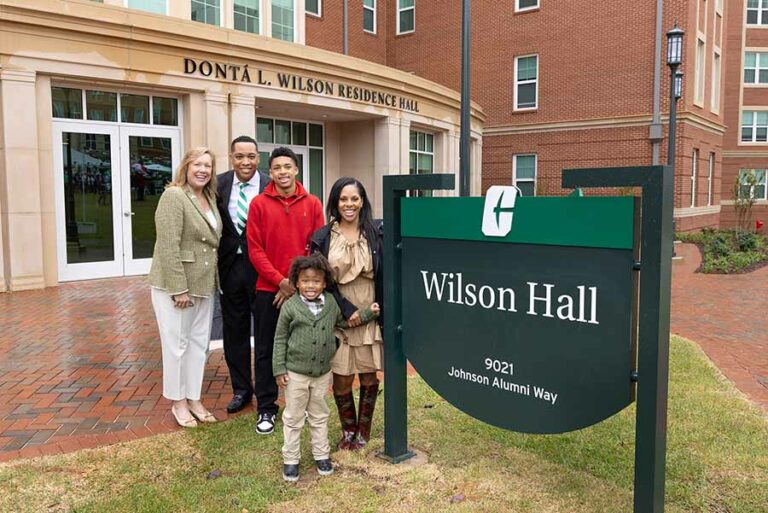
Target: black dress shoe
[{"x": 238, "y": 402}]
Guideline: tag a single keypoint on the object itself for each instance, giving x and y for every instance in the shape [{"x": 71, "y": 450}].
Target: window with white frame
[
  {"x": 715, "y": 107},
  {"x": 282, "y": 20},
  {"x": 524, "y": 174},
  {"x": 406, "y": 16},
  {"x": 369, "y": 16},
  {"x": 246, "y": 15},
  {"x": 698, "y": 92},
  {"x": 753, "y": 183},
  {"x": 526, "y": 5},
  {"x": 754, "y": 126},
  {"x": 694, "y": 172},
  {"x": 421, "y": 150},
  {"x": 755, "y": 68},
  {"x": 206, "y": 11},
  {"x": 314, "y": 7},
  {"x": 155, "y": 6},
  {"x": 757, "y": 12},
  {"x": 526, "y": 82}
]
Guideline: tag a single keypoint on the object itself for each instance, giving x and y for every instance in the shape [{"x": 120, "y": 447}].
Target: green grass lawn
[{"x": 717, "y": 462}]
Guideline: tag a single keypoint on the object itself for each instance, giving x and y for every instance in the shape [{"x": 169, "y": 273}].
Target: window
[
  {"x": 755, "y": 68},
  {"x": 754, "y": 126},
  {"x": 314, "y": 7},
  {"x": 694, "y": 172},
  {"x": 526, "y": 5},
  {"x": 422, "y": 156},
  {"x": 715, "y": 82},
  {"x": 247, "y": 16},
  {"x": 206, "y": 11},
  {"x": 710, "y": 178},
  {"x": 526, "y": 82},
  {"x": 753, "y": 183},
  {"x": 524, "y": 174},
  {"x": 757, "y": 12},
  {"x": 406, "y": 16},
  {"x": 698, "y": 96},
  {"x": 282, "y": 19},
  {"x": 305, "y": 138},
  {"x": 68, "y": 103},
  {"x": 369, "y": 16},
  {"x": 155, "y": 6}
]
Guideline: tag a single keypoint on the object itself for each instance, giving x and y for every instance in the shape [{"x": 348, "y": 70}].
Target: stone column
[
  {"x": 476, "y": 177},
  {"x": 242, "y": 116},
  {"x": 20, "y": 182},
  {"x": 217, "y": 127},
  {"x": 47, "y": 181},
  {"x": 390, "y": 155}
]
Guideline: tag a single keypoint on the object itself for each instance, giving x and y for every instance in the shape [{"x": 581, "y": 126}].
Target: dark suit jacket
[{"x": 230, "y": 240}]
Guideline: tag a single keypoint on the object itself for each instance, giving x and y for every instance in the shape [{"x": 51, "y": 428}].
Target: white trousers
[
  {"x": 184, "y": 335},
  {"x": 306, "y": 394}
]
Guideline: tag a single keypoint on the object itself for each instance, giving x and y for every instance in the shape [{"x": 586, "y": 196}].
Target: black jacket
[
  {"x": 321, "y": 241},
  {"x": 230, "y": 240}
]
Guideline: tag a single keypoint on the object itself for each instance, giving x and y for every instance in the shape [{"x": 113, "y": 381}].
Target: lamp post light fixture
[{"x": 674, "y": 60}]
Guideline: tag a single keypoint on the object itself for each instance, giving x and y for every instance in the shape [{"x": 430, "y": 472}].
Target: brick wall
[{"x": 327, "y": 31}]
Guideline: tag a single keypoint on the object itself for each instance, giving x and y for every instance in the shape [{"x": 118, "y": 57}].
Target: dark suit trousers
[
  {"x": 264, "y": 381},
  {"x": 237, "y": 308}
]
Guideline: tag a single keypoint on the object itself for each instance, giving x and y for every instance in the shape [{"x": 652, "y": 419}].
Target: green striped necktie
[{"x": 242, "y": 210}]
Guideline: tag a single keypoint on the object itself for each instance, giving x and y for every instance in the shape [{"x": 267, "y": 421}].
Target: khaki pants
[{"x": 305, "y": 394}]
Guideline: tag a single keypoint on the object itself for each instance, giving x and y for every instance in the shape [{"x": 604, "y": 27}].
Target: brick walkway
[
  {"x": 80, "y": 363},
  {"x": 728, "y": 317}
]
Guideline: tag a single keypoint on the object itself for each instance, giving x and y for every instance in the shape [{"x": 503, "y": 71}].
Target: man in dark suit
[{"x": 236, "y": 188}]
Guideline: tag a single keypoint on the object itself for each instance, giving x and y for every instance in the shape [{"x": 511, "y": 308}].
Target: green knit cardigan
[{"x": 305, "y": 343}]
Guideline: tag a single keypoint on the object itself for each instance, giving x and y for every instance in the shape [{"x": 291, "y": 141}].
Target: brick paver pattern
[
  {"x": 727, "y": 315},
  {"x": 80, "y": 363}
]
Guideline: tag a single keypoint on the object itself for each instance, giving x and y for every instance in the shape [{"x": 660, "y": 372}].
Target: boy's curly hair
[{"x": 314, "y": 261}]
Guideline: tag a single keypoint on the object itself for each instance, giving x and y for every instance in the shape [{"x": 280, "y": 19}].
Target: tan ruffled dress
[{"x": 361, "y": 350}]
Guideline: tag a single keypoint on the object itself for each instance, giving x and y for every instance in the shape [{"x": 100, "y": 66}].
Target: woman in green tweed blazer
[{"x": 183, "y": 279}]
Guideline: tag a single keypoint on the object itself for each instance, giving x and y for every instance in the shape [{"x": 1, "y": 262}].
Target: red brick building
[{"x": 573, "y": 84}]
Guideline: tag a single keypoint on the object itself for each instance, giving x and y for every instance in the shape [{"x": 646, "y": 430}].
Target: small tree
[{"x": 744, "y": 197}]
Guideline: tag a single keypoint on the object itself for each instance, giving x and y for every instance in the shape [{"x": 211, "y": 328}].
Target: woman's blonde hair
[{"x": 180, "y": 176}]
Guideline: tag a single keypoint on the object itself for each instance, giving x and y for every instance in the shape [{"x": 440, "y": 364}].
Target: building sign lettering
[{"x": 298, "y": 83}]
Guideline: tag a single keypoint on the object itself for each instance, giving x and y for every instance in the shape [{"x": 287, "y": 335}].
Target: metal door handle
[{"x": 129, "y": 214}]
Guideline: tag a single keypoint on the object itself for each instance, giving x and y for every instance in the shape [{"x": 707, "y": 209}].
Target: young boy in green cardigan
[{"x": 301, "y": 361}]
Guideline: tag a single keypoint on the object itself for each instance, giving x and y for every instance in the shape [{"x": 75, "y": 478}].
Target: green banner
[{"x": 594, "y": 222}]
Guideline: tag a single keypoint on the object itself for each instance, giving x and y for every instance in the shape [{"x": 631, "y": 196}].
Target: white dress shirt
[{"x": 250, "y": 192}]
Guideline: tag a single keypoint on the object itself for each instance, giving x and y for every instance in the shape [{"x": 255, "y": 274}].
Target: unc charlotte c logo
[{"x": 497, "y": 213}]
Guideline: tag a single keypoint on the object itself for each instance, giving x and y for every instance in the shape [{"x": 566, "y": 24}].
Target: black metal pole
[
  {"x": 672, "y": 119},
  {"x": 465, "y": 102}
]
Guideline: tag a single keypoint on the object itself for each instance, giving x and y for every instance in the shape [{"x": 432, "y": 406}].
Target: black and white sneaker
[
  {"x": 291, "y": 473},
  {"x": 324, "y": 467},
  {"x": 266, "y": 424}
]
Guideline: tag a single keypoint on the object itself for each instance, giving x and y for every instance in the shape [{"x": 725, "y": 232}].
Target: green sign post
[{"x": 524, "y": 313}]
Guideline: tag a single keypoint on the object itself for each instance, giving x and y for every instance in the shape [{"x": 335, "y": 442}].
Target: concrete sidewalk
[{"x": 80, "y": 363}]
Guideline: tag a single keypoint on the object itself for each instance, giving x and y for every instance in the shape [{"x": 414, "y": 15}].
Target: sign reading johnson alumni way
[{"x": 519, "y": 310}]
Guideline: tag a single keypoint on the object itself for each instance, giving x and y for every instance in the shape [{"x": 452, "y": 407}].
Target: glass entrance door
[
  {"x": 148, "y": 159},
  {"x": 108, "y": 182},
  {"x": 88, "y": 223}
]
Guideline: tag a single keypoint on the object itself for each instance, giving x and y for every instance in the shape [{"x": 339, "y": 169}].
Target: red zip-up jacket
[{"x": 279, "y": 230}]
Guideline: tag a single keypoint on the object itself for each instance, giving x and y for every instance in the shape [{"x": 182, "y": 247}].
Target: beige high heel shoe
[{"x": 185, "y": 423}]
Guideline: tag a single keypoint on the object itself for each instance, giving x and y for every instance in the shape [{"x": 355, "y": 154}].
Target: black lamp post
[{"x": 674, "y": 60}]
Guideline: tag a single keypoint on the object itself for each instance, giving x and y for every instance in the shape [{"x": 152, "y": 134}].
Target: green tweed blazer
[
  {"x": 305, "y": 342},
  {"x": 184, "y": 259}
]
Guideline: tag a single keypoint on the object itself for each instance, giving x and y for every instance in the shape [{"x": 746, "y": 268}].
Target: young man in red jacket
[{"x": 281, "y": 221}]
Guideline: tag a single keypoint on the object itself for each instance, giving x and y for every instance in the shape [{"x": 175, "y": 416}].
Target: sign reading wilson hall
[{"x": 529, "y": 327}]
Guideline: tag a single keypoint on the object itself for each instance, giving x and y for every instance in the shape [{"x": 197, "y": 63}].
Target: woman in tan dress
[{"x": 352, "y": 243}]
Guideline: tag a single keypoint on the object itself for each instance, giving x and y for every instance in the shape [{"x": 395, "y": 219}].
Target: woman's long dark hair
[{"x": 365, "y": 220}]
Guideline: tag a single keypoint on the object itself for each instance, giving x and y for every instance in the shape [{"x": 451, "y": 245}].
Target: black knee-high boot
[{"x": 346, "y": 406}]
